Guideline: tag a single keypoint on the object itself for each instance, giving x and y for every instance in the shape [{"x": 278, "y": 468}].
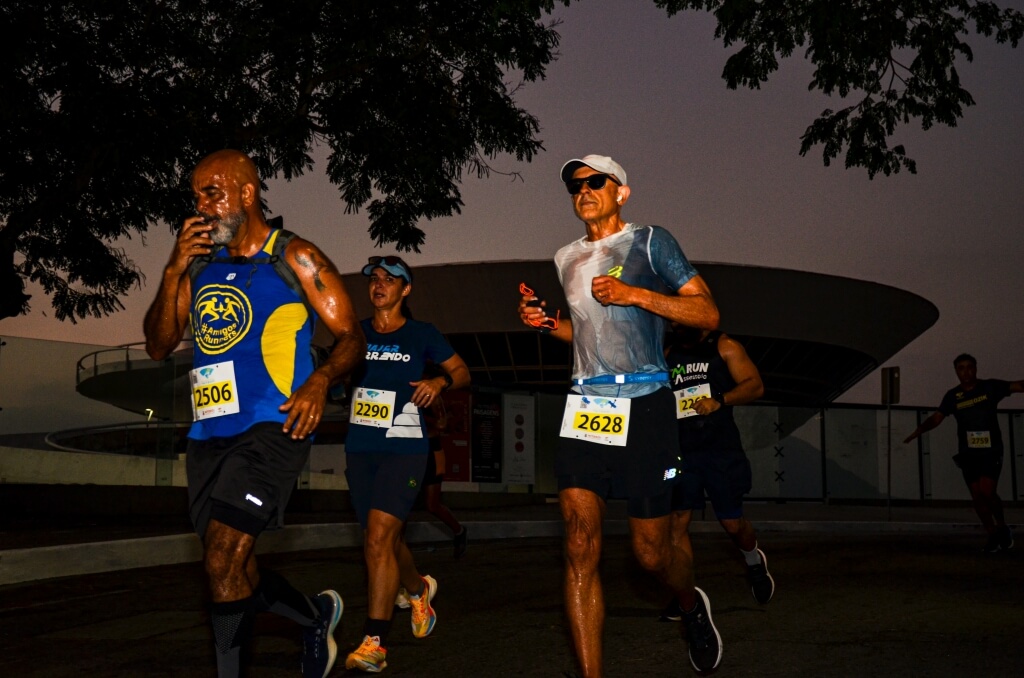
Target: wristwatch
[
  {"x": 719, "y": 396},
  {"x": 448, "y": 381}
]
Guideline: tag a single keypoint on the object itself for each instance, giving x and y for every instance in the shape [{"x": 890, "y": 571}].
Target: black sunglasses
[
  {"x": 391, "y": 260},
  {"x": 595, "y": 182}
]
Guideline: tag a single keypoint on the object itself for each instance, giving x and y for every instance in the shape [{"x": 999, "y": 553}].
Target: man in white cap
[{"x": 624, "y": 282}]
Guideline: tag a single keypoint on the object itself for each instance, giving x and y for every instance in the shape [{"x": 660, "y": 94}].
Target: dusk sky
[{"x": 721, "y": 170}]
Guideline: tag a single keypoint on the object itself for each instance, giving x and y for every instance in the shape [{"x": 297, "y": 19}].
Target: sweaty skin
[{"x": 583, "y": 510}]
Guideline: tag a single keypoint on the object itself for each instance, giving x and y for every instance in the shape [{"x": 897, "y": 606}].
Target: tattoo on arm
[{"x": 314, "y": 264}]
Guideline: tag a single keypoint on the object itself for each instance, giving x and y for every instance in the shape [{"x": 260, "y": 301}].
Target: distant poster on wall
[
  {"x": 455, "y": 439},
  {"x": 486, "y": 437},
  {"x": 519, "y": 448}
]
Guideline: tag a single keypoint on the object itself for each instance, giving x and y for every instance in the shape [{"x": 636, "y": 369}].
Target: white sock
[{"x": 752, "y": 557}]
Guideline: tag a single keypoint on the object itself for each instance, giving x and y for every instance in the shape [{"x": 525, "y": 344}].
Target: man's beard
[{"x": 226, "y": 228}]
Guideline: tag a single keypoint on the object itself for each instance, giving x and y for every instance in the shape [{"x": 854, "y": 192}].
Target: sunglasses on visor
[
  {"x": 389, "y": 260},
  {"x": 391, "y": 263},
  {"x": 594, "y": 182}
]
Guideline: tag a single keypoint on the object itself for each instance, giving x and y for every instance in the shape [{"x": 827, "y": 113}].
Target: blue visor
[{"x": 392, "y": 265}]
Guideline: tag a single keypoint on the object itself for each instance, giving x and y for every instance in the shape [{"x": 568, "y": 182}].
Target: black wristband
[
  {"x": 448, "y": 381},
  {"x": 719, "y": 396}
]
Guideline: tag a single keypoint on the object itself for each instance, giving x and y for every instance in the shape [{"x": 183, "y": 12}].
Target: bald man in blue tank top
[{"x": 256, "y": 395}]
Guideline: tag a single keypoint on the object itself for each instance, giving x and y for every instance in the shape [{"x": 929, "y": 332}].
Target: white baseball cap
[{"x": 601, "y": 163}]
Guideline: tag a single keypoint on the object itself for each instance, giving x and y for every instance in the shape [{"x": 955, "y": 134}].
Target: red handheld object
[{"x": 546, "y": 324}]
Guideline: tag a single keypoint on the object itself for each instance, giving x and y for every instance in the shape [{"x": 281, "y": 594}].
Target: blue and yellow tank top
[{"x": 244, "y": 313}]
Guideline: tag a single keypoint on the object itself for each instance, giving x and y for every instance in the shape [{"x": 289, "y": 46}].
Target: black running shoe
[
  {"x": 705, "y": 643},
  {"x": 994, "y": 543},
  {"x": 761, "y": 583},
  {"x": 672, "y": 612},
  {"x": 459, "y": 543},
  {"x": 1007, "y": 542},
  {"x": 318, "y": 647}
]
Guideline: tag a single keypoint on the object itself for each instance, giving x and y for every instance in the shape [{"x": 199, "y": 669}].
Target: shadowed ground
[{"x": 846, "y": 605}]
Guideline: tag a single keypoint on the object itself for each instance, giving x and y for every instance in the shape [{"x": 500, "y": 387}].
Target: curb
[{"x": 69, "y": 560}]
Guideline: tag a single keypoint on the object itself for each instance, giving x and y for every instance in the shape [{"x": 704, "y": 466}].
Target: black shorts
[
  {"x": 644, "y": 471},
  {"x": 979, "y": 464},
  {"x": 244, "y": 481},
  {"x": 383, "y": 481},
  {"x": 431, "y": 476},
  {"x": 723, "y": 475}
]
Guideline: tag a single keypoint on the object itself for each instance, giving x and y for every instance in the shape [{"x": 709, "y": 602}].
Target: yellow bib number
[
  {"x": 214, "y": 391},
  {"x": 220, "y": 393},
  {"x": 686, "y": 397},
  {"x": 372, "y": 407},
  {"x": 609, "y": 424},
  {"x": 376, "y": 411},
  {"x": 596, "y": 419},
  {"x": 979, "y": 439}
]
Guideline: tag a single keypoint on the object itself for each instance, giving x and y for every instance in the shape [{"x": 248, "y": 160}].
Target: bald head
[
  {"x": 232, "y": 165},
  {"x": 227, "y": 190}
]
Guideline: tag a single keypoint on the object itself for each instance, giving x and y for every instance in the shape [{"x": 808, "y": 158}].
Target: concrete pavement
[
  {"x": 849, "y": 603},
  {"x": 862, "y": 591}
]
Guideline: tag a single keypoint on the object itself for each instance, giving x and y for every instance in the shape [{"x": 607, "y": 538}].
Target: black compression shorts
[{"x": 250, "y": 476}]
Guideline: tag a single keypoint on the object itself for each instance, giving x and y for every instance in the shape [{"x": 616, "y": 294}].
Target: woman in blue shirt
[{"x": 386, "y": 449}]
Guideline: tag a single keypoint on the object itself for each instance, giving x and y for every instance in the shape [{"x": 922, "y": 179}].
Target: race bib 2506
[{"x": 214, "y": 391}]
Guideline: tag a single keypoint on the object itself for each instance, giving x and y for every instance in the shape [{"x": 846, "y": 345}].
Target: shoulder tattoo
[{"x": 315, "y": 264}]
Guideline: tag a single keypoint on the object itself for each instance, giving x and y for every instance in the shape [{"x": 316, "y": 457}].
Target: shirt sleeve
[
  {"x": 436, "y": 346},
  {"x": 668, "y": 260},
  {"x": 947, "y": 407},
  {"x": 1000, "y": 389}
]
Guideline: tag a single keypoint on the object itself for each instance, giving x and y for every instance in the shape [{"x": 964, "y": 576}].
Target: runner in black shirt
[
  {"x": 710, "y": 373},
  {"x": 980, "y": 442}
]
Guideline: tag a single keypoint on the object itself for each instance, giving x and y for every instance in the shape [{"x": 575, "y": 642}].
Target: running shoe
[
  {"x": 705, "y": 643},
  {"x": 459, "y": 543},
  {"x": 318, "y": 647},
  {"x": 402, "y": 599},
  {"x": 1007, "y": 542},
  {"x": 761, "y": 583},
  {"x": 423, "y": 615},
  {"x": 994, "y": 543},
  {"x": 672, "y": 612},
  {"x": 369, "y": 656}
]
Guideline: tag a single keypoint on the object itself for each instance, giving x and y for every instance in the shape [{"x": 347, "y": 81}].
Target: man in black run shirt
[
  {"x": 710, "y": 373},
  {"x": 980, "y": 442}
]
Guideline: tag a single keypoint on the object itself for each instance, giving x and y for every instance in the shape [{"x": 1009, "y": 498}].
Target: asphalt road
[{"x": 845, "y": 605}]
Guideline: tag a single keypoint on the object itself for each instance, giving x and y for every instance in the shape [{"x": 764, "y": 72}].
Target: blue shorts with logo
[{"x": 384, "y": 481}]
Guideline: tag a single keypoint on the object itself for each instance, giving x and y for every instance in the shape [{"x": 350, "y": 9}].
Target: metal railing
[
  {"x": 152, "y": 439},
  {"x": 835, "y": 453},
  {"x": 856, "y": 452},
  {"x": 118, "y": 358}
]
